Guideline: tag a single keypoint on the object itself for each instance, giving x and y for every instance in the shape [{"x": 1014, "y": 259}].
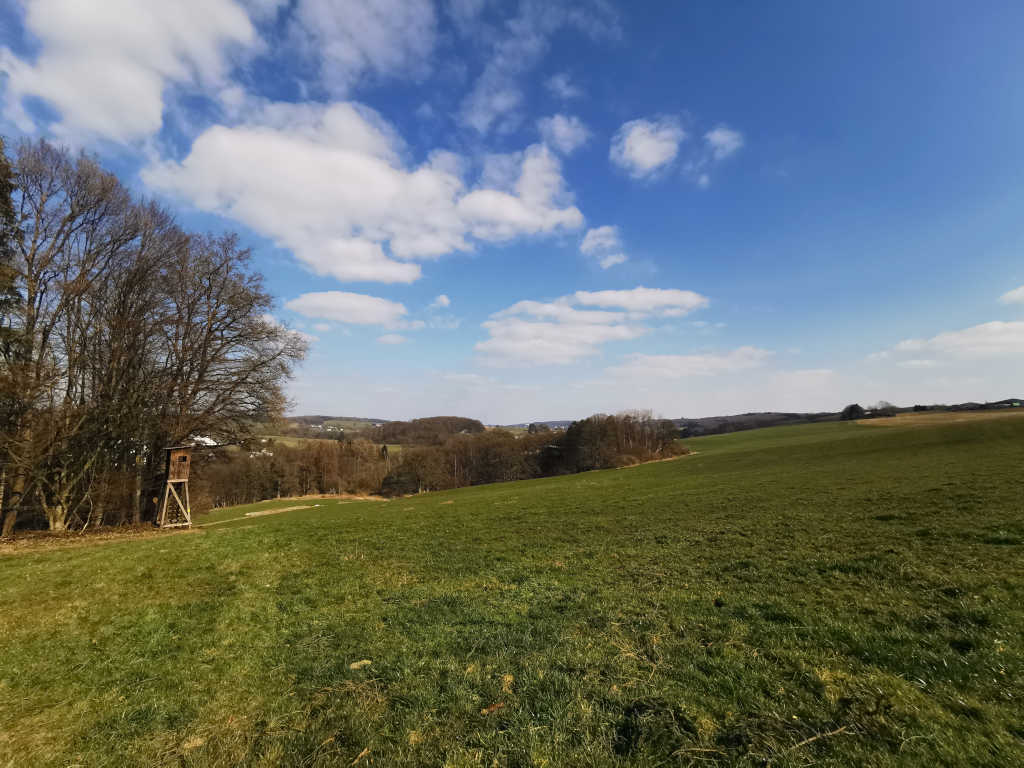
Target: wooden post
[{"x": 179, "y": 459}]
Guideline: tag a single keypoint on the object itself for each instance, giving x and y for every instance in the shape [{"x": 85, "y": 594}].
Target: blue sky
[{"x": 535, "y": 210}]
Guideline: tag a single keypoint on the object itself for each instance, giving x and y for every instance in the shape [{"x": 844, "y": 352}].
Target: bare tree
[{"x": 127, "y": 335}]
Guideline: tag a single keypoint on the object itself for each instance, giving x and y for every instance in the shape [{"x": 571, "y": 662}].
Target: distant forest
[{"x": 429, "y": 454}]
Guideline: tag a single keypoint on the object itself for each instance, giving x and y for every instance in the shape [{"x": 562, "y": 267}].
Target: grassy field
[
  {"x": 833, "y": 594},
  {"x": 927, "y": 419}
]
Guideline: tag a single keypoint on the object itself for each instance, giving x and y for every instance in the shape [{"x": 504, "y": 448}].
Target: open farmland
[
  {"x": 933, "y": 418},
  {"x": 833, "y": 593}
]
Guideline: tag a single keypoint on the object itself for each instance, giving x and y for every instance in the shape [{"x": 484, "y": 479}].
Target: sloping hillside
[{"x": 831, "y": 593}]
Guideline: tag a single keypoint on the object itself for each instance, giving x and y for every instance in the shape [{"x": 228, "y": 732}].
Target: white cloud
[
  {"x": 612, "y": 259},
  {"x": 560, "y": 332},
  {"x": 720, "y": 143},
  {"x": 648, "y": 367},
  {"x": 531, "y": 207},
  {"x": 666, "y": 301},
  {"x": 601, "y": 239},
  {"x": 723, "y": 141},
  {"x": 104, "y": 67},
  {"x": 995, "y": 340},
  {"x": 604, "y": 244},
  {"x": 354, "y": 39},
  {"x": 566, "y": 133},
  {"x": 527, "y": 341},
  {"x": 350, "y": 308},
  {"x": 322, "y": 327},
  {"x": 332, "y": 187},
  {"x": 561, "y": 86},
  {"x": 560, "y": 310},
  {"x": 1016, "y": 296},
  {"x": 441, "y": 302},
  {"x": 643, "y": 147},
  {"x": 391, "y": 338},
  {"x": 497, "y": 96}
]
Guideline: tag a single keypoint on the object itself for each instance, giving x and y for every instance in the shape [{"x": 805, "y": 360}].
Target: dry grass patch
[
  {"x": 36, "y": 541},
  {"x": 930, "y": 419}
]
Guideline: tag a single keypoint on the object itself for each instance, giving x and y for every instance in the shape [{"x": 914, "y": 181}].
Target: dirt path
[{"x": 258, "y": 513}]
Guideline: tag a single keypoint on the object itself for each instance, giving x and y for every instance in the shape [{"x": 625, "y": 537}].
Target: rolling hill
[{"x": 829, "y": 593}]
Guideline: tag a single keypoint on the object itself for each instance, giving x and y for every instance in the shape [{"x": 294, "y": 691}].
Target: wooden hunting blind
[{"x": 178, "y": 461}]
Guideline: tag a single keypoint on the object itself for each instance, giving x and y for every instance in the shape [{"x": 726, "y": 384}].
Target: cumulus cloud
[
  {"x": 723, "y": 141},
  {"x": 391, "y": 338},
  {"x": 356, "y": 39},
  {"x": 566, "y": 133},
  {"x": 332, "y": 187},
  {"x": 104, "y": 67},
  {"x": 601, "y": 239},
  {"x": 441, "y": 302},
  {"x": 565, "y": 330},
  {"x": 646, "y": 367},
  {"x": 994, "y": 340},
  {"x": 529, "y": 340},
  {"x": 666, "y": 301},
  {"x": 349, "y": 308},
  {"x": 1016, "y": 296},
  {"x": 604, "y": 244},
  {"x": 644, "y": 147}
]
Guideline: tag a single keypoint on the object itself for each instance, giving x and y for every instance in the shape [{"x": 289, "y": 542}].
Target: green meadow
[{"x": 832, "y": 594}]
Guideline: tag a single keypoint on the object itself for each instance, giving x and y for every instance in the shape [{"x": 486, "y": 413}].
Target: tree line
[
  {"x": 433, "y": 430},
  {"x": 463, "y": 458},
  {"x": 276, "y": 470},
  {"x": 120, "y": 334}
]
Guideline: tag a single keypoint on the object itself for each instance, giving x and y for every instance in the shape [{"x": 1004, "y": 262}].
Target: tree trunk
[
  {"x": 137, "y": 499},
  {"x": 17, "y": 492},
  {"x": 3, "y": 517}
]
